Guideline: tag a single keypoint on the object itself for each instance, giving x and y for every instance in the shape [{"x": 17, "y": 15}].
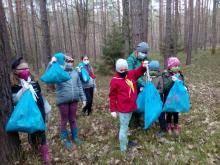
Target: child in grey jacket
[{"x": 68, "y": 94}]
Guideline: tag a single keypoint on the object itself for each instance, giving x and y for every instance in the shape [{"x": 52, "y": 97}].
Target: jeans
[{"x": 123, "y": 132}]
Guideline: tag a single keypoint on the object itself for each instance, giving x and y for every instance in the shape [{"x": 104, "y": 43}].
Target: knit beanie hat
[
  {"x": 121, "y": 64},
  {"x": 172, "y": 61},
  {"x": 142, "y": 47},
  {"x": 154, "y": 65}
]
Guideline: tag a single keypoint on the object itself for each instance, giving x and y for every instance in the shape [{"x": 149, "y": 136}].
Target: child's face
[{"x": 122, "y": 70}]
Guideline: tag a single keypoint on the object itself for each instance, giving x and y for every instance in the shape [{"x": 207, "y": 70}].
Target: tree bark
[
  {"x": 9, "y": 150},
  {"x": 69, "y": 30},
  {"x": 125, "y": 22},
  {"x": 64, "y": 27},
  {"x": 190, "y": 36},
  {"x": 46, "y": 43},
  {"x": 185, "y": 25},
  {"x": 214, "y": 35},
  {"x": 145, "y": 18},
  {"x": 197, "y": 25},
  {"x": 168, "y": 38}
]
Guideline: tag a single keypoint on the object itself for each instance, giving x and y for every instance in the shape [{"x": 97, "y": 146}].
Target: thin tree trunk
[
  {"x": 14, "y": 33},
  {"x": 46, "y": 43},
  {"x": 197, "y": 27},
  {"x": 28, "y": 32},
  {"x": 125, "y": 21},
  {"x": 9, "y": 150},
  {"x": 168, "y": 37},
  {"x": 145, "y": 18},
  {"x": 190, "y": 36},
  {"x": 36, "y": 48},
  {"x": 64, "y": 27},
  {"x": 214, "y": 35},
  {"x": 161, "y": 26},
  {"x": 94, "y": 31},
  {"x": 185, "y": 25},
  {"x": 68, "y": 24},
  {"x": 58, "y": 44},
  {"x": 206, "y": 25},
  {"x": 119, "y": 13}
]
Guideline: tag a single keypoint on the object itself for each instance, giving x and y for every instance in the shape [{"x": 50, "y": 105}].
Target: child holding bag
[
  {"x": 123, "y": 95},
  {"x": 68, "y": 94},
  {"x": 22, "y": 82}
]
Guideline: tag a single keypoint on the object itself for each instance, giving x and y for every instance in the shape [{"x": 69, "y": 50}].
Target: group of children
[
  {"x": 68, "y": 94},
  {"x": 123, "y": 94}
]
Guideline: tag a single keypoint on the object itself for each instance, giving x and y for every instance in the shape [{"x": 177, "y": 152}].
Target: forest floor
[{"x": 199, "y": 142}]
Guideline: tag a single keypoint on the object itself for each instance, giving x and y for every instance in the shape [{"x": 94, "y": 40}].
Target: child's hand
[
  {"x": 145, "y": 64},
  {"x": 174, "y": 78},
  {"x": 114, "y": 114},
  {"x": 84, "y": 103},
  {"x": 78, "y": 69},
  {"x": 53, "y": 59}
]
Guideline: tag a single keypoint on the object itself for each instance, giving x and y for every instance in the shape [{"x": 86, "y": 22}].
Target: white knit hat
[{"x": 121, "y": 64}]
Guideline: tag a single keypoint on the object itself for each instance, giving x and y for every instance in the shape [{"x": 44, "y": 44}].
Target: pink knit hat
[{"x": 172, "y": 61}]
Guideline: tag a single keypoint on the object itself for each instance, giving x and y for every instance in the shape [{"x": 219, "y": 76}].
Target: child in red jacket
[{"x": 123, "y": 95}]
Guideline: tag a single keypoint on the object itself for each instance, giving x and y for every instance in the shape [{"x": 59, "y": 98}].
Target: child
[
  {"x": 154, "y": 67},
  {"x": 68, "y": 94},
  {"x": 21, "y": 72},
  {"x": 169, "y": 76},
  {"x": 88, "y": 87},
  {"x": 123, "y": 95}
]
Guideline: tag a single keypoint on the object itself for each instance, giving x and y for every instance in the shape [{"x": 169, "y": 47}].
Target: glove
[
  {"x": 145, "y": 64},
  {"x": 174, "y": 78},
  {"x": 141, "y": 88},
  {"x": 84, "y": 103},
  {"x": 53, "y": 59},
  {"x": 114, "y": 114},
  {"x": 78, "y": 69},
  {"x": 95, "y": 90}
]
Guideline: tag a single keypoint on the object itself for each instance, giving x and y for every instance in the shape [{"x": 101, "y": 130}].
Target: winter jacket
[
  {"x": 70, "y": 90},
  {"x": 122, "y": 97},
  {"x": 168, "y": 82},
  {"x": 91, "y": 82},
  {"x": 37, "y": 89},
  {"x": 134, "y": 63}
]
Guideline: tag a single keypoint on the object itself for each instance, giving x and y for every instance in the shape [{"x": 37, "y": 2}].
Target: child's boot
[
  {"x": 64, "y": 137},
  {"x": 177, "y": 129},
  {"x": 44, "y": 151},
  {"x": 75, "y": 138}
]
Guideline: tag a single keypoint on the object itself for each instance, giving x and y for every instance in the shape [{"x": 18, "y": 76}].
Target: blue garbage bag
[
  {"x": 152, "y": 103},
  {"x": 177, "y": 99},
  {"x": 55, "y": 75},
  {"x": 84, "y": 75},
  {"x": 140, "y": 102},
  {"x": 26, "y": 116}
]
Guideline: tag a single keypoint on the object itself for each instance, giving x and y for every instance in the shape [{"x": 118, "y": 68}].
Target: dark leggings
[
  {"x": 89, "y": 100},
  {"x": 174, "y": 115},
  {"x": 38, "y": 137}
]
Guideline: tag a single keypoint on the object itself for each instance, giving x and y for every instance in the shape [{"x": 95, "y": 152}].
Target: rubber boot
[
  {"x": 75, "y": 138},
  {"x": 44, "y": 151},
  {"x": 64, "y": 138}
]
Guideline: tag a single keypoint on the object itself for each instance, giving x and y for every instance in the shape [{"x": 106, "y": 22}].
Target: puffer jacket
[{"x": 70, "y": 90}]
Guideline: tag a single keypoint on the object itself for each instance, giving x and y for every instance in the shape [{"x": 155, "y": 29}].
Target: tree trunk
[
  {"x": 19, "y": 28},
  {"x": 46, "y": 43},
  {"x": 119, "y": 12},
  {"x": 64, "y": 27},
  {"x": 125, "y": 22},
  {"x": 197, "y": 25},
  {"x": 68, "y": 24},
  {"x": 94, "y": 31},
  {"x": 35, "y": 39},
  {"x": 214, "y": 35},
  {"x": 168, "y": 38},
  {"x": 185, "y": 25},
  {"x": 145, "y": 18},
  {"x": 58, "y": 44},
  {"x": 161, "y": 26},
  {"x": 28, "y": 33},
  {"x": 10, "y": 143},
  {"x": 14, "y": 33},
  {"x": 176, "y": 27},
  {"x": 137, "y": 22},
  {"x": 190, "y": 36}
]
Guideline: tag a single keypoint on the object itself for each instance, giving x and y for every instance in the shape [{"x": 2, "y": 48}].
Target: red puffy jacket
[{"x": 122, "y": 98}]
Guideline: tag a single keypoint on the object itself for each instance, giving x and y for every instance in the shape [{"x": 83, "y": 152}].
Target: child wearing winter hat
[
  {"x": 123, "y": 95},
  {"x": 154, "y": 67},
  {"x": 169, "y": 77},
  {"x": 68, "y": 94},
  {"x": 22, "y": 81}
]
